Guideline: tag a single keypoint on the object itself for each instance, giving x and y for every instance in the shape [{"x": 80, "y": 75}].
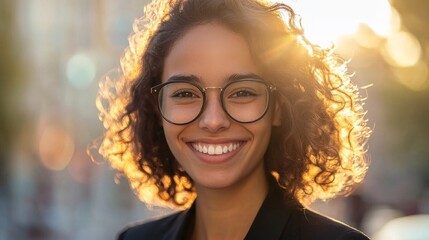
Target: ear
[{"x": 277, "y": 115}]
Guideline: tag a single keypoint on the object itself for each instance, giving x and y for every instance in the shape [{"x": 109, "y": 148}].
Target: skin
[{"x": 223, "y": 182}]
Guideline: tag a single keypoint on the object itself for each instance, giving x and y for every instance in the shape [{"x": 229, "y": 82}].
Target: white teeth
[
  {"x": 218, "y": 150},
  {"x": 215, "y": 149},
  {"x": 211, "y": 150}
]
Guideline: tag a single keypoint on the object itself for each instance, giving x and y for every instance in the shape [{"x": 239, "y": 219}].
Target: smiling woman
[{"x": 222, "y": 100}]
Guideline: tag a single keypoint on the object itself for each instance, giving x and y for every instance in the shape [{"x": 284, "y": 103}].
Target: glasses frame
[{"x": 156, "y": 89}]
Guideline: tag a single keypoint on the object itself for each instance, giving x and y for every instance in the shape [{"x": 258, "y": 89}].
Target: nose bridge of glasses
[
  {"x": 216, "y": 100},
  {"x": 212, "y": 88}
]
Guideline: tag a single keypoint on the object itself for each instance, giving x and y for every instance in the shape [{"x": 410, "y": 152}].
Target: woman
[{"x": 224, "y": 110}]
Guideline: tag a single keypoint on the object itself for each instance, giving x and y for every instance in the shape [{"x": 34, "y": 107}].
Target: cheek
[
  {"x": 263, "y": 131},
  {"x": 260, "y": 130},
  {"x": 264, "y": 136},
  {"x": 172, "y": 133},
  {"x": 169, "y": 134}
]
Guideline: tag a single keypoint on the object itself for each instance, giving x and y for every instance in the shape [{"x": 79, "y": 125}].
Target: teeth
[
  {"x": 218, "y": 150},
  {"x": 211, "y": 150},
  {"x": 215, "y": 149}
]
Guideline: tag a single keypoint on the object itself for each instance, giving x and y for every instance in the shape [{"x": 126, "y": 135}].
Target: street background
[{"x": 53, "y": 53}]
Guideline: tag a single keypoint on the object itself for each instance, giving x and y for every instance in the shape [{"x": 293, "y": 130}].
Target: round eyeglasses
[{"x": 182, "y": 101}]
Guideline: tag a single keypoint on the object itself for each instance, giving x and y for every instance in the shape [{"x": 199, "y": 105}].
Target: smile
[{"x": 215, "y": 149}]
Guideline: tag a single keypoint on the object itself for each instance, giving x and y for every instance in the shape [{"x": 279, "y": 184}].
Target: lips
[{"x": 215, "y": 149}]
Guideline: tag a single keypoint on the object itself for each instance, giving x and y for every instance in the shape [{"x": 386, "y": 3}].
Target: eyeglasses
[{"x": 182, "y": 101}]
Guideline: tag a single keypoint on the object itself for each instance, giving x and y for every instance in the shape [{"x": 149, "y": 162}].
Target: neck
[{"x": 228, "y": 213}]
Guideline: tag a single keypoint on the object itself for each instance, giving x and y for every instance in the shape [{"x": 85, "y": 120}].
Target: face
[{"x": 212, "y": 54}]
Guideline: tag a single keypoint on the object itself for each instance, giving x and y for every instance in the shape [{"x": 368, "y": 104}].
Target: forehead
[{"x": 211, "y": 52}]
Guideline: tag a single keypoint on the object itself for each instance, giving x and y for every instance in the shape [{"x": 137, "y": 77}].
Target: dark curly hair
[{"x": 319, "y": 150}]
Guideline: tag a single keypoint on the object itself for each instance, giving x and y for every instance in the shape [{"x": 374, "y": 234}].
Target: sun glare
[
  {"x": 373, "y": 24},
  {"x": 325, "y": 22}
]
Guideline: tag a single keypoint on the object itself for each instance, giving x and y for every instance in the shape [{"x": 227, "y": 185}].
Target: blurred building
[{"x": 53, "y": 190}]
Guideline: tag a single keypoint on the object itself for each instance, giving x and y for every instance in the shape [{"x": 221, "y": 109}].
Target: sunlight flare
[{"x": 325, "y": 22}]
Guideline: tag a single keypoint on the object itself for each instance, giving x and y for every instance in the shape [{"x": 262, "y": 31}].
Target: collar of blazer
[{"x": 270, "y": 222}]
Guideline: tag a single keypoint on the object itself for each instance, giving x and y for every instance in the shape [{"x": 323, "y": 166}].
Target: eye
[
  {"x": 243, "y": 93},
  {"x": 184, "y": 93}
]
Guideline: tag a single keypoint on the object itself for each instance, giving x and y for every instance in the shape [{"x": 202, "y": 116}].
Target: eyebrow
[
  {"x": 180, "y": 77},
  {"x": 195, "y": 79},
  {"x": 236, "y": 77}
]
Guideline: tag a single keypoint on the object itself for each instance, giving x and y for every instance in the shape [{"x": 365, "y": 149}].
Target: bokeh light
[
  {"x": 414, "y": 77},
  {"x": 402, "y": 49},
  {"x": 81, "y": 70},
  {"x": 367, "y": 38},
  {"x": 56, "y": 147},
  {"x": 373, "y": 24},
  {"x": 80, "y": 168}
]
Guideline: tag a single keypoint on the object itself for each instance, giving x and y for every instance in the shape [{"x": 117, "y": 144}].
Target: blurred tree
[
  {"x": 11, "y": 82},
  {"x": 414, "y": 14},
  {"x": 407, "y": 111}
]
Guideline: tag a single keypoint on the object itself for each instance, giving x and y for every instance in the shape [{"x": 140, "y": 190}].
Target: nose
[{"x": 214, "y": 118}]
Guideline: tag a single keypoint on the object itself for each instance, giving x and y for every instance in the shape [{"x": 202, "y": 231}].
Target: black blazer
[{"x": 276, "y": 219}]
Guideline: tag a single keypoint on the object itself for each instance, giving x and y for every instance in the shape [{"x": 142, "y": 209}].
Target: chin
[{"x": 214, "y": 182}]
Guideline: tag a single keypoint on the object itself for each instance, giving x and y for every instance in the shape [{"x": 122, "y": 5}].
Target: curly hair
[{"x": 317, "y": 152}]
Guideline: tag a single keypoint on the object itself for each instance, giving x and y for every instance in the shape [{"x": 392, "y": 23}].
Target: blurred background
[{"x": 52, "y": 54}]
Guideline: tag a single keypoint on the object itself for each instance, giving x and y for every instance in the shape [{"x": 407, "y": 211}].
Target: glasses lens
[
  {"x": 180, "y": 102},
  {"x": 246, "y": 101}
]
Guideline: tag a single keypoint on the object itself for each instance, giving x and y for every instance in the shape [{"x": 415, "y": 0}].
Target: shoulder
[
  {"x": 153, "y": 229},
  {"x": 317, "y": 226}
]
